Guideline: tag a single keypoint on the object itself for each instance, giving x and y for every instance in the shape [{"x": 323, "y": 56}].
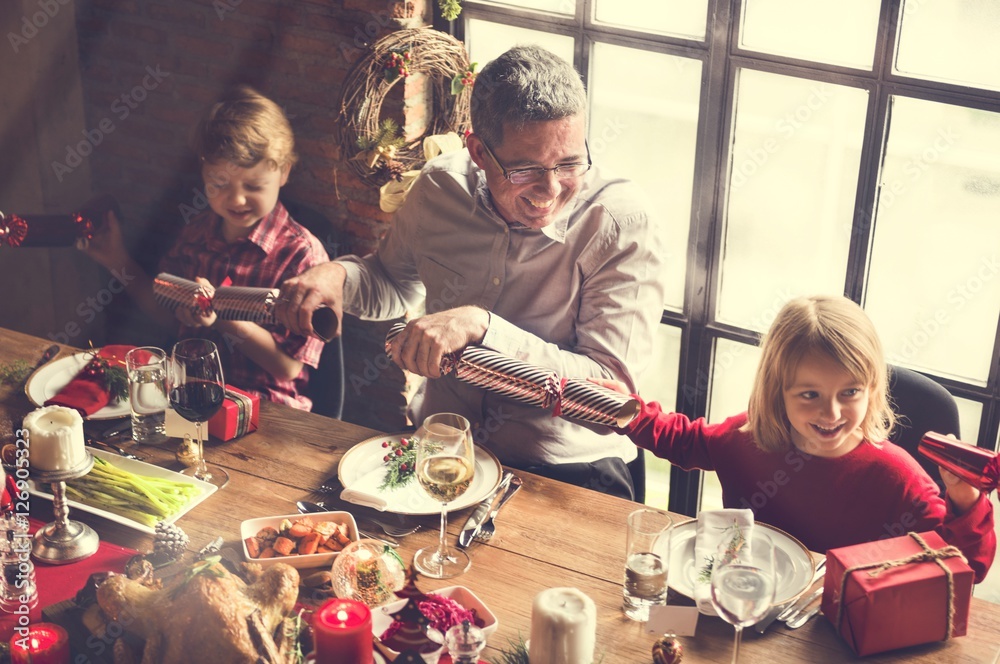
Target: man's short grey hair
[{"x": 525, "y": 84}]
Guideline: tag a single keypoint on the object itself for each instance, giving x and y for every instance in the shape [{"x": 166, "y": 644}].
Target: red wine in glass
[{"x": 196, "y": 389}]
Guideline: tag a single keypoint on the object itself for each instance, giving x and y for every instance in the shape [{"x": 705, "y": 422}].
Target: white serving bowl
[
  {"x": 251, "y": 527},
  {"x": 462, "y": 595}
]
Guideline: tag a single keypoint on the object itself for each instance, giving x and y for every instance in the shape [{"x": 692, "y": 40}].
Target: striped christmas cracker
[
  {"x": 583, "y": 400},
  {"x": 572, "y": 398},
  {"x": 234, "y": 303},
  {"x": 496, "y": 372},
  {"x": 172, "y": 292}
]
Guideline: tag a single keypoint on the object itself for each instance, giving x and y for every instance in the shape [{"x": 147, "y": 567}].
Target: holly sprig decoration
[
  {"x": 111, "y": 376},
  {"x": 397, "y": 64},
  {"x": 14, "y": 373},
  {"x": 400, "y": 459},
  {"x": 464, "y": 80}
]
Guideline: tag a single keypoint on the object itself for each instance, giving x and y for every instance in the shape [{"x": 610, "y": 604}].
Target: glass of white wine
[
  {"x": 744, "y": 582},
  {"x": 445, "y": 467}
]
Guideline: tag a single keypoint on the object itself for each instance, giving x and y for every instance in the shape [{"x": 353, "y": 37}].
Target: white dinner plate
[
  {"x": 137, "y": 468},
  {"x": 51, "y": 377},
  {"x": 794, "y": 563},
  {"x": 367, "y": 455}
]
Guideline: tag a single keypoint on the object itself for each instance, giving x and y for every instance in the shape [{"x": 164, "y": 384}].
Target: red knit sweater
[{"x": 868, "y": 494}]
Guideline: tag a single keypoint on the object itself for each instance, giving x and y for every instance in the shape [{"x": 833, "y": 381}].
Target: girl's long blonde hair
[{"x": 836, "y": 327}]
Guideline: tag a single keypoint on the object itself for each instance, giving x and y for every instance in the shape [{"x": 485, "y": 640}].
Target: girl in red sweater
[{"x": 810, "y": 456}]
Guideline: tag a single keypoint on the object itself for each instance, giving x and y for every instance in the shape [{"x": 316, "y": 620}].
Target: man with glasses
[{"x": 516, "y": 244}]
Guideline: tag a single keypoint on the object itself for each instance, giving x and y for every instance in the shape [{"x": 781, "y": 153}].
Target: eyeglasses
[{"x": 529, "y": 175}]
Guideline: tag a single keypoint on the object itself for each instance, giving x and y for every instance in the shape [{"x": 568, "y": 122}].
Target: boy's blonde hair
[
  {"x": 245, "y": 128},
  {"x": 836, "y": 327}
]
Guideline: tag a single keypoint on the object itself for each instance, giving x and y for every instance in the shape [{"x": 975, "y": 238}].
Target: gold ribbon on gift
[
  {"x": 927, "y": 555},
  {"x": 393, "y": 193}
]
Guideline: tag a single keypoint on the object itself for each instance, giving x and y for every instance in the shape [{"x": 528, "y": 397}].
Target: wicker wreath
[{"x": 439, "y": 56}]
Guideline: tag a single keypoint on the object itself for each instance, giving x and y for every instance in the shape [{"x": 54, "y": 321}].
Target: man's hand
[
  {"x": 420, "y": 347},
  {"x": 302, "y": 295},
  {"x": 107, "y": 246}
]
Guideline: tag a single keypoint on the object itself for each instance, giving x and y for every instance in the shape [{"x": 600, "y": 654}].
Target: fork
[
  {"x": 394, "y": 529},
  {"x": 93, "y": 442},
  {"x": 488, "y": 528}
]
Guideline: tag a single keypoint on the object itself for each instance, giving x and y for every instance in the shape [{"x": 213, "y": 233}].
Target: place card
[{"x": 676, "y": 620}]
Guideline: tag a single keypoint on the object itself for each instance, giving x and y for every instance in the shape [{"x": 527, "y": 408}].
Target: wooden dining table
[{"x": 550, "y": 535}]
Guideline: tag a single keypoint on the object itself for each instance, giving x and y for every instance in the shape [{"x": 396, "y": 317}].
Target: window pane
[
  {"x": 680, "y": 18},
  {"x": 624, "y": 109},
  {"x": 792, "y": 184},
  {"x": 933, "y": 288},
  {"x": 838, "y": 33},
  {"x": 567, "y": 7},
  {"x": 659, "y": 383},
  {"x": 970, "y": 414},
  {"x": 733, "y": 367},
  {"x": 486, "y": 40},
  {"x": 950, "y": 41}
]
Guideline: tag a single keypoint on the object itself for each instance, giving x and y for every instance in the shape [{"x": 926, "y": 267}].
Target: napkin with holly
[
  {"x": 731, "y": 527},
  {"x": 102, "y": 380}
]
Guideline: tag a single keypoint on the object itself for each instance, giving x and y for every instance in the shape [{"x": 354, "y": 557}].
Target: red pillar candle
[
  {"x": 342, "y": 632},
  {"x": 46, "y": 643}
]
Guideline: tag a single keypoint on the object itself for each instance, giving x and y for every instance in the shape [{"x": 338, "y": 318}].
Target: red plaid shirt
[{"x": 276, "y": 250}]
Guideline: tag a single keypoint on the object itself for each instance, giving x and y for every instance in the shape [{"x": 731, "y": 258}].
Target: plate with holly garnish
[
  {"x": 104, "y": 366},
  {"x": 378, "y": 473}
]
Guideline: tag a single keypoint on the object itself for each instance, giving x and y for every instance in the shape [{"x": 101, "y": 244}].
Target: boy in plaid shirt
[{"x": 245, "y": 238}]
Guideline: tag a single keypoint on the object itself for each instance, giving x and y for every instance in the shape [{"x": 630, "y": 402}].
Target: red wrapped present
[
  {"x": 897, "y": 592},
  {"x": 238, "y": 416},
  {"x": 977, "y": 466}
]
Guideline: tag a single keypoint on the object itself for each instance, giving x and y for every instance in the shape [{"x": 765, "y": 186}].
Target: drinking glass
[
  {"x": 196, "y": 393},
  {"x": 743, "y": 582},
  {"x": 445, "y": 466},
  {"x": 647, "y": 552},
  {"x": 147, "y": 394}
]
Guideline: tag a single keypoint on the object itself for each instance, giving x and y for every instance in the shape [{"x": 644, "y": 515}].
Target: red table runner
[{"x": 57, "y": 583}]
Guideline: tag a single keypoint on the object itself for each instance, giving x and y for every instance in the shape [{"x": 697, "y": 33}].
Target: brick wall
[{"x": 149, "y": 68}]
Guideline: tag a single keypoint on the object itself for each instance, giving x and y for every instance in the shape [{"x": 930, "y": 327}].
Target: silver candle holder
[{"x": 63, "y": 541}]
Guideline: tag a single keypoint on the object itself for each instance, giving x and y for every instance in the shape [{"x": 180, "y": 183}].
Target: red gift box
[
  {"x": 897, "y": 592},
  {"x": 238, "y": 416}
]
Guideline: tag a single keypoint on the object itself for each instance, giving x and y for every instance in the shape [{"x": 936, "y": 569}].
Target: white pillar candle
[
  {"x": 55, "y": 438},
  {"x": 563, "y": 627}
]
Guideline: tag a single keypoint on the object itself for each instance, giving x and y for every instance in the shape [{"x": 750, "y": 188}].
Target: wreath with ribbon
[{"x": 381, "y": 154}]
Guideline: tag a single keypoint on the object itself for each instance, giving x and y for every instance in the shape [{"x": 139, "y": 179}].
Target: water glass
[
  {"x": 147, "y": 394},
  {"x": 647, "y": 553}
]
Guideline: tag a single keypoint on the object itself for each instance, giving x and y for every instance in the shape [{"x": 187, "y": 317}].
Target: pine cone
[{"x": 169, "y": 540}]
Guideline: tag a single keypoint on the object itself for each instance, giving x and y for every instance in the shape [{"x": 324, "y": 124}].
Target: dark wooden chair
[{"x": 921, "y": 405}]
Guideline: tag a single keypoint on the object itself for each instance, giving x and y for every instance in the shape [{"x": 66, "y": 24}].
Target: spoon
[{"x": 306, "y": 507}]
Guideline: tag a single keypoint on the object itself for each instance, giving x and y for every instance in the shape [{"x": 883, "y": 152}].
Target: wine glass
[
  {"x": 445, "y": 466},
  {"x": 743, "y": 581},
  {"x": 196, "y": 393}
]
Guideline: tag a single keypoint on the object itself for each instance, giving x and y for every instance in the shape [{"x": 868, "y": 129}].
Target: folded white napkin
[
  {"x": 714, "y": 527},
  {"x": 409, "y": 498}
]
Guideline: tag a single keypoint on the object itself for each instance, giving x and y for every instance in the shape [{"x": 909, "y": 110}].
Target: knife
[
  {"x": 783, "y": 611},
  {"x": 49, "y": 353},
  {"x": 481, "y": 513}
]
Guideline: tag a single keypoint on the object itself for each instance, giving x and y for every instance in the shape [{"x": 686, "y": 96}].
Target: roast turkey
[{"x": 207, "y": 614}]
